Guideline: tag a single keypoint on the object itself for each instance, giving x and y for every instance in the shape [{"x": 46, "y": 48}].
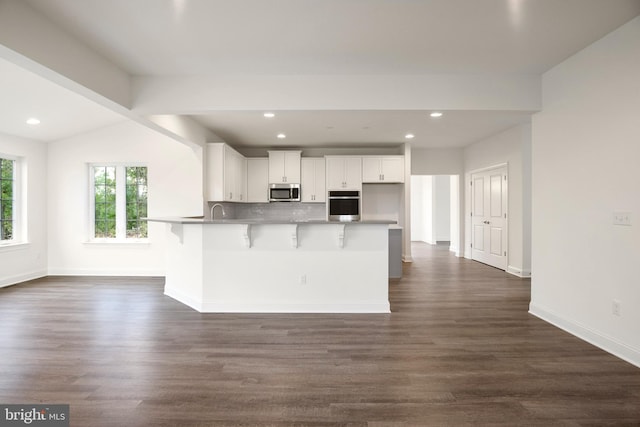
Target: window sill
[
  {"x": 118, "y": 242},
  {"x": 14, "y": 246}
]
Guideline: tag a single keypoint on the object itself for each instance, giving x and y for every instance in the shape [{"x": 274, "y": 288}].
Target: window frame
[
  {"x": 121, "y": 203},
  {"x": 19, "y": 234}
]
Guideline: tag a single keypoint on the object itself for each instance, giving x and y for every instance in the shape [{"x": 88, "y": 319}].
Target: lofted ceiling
[{"x": 263, "y": 39}]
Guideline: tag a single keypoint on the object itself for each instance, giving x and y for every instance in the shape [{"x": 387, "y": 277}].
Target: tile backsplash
[{"x": 284, "y": 210}]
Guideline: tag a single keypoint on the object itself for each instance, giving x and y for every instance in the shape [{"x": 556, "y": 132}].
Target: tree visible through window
[
  {"x": 136, "y": 201},
  {"x": 105, "y": 201},
  {"x": 7, "y": 179},
  {"x": 119, "y": 202}
]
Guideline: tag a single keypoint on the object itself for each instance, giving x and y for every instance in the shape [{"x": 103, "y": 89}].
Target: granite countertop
[{"x": 201, "y": 220}]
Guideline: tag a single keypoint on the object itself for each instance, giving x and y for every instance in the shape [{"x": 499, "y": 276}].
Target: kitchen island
[{"x": 218, "y": 266}]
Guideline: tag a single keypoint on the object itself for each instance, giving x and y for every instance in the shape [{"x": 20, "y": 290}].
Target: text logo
[{"x": 34, "y": 415}]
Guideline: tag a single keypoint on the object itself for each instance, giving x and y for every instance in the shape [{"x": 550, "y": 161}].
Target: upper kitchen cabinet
[
  {"x": 284, "y": 167},
  {"x": 258, "y": 180},
  {"x": 344, "y": 172},
  {"x": 386, "y": 169},
  {"x": 226, "y": 174},
  {"x": 313, "y": 186}
]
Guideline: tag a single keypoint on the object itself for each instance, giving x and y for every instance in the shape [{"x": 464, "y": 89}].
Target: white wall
[
  {"x": 510, "y": 147},
  {"x": 442, "y": 208},
  {"x": 24, "y": 262},
  {"x": 422, "y": 220},
  {"x": 586, "y": 147},
  {"x": 454, "y": 200},
  {"x": 175, "y": 188}
]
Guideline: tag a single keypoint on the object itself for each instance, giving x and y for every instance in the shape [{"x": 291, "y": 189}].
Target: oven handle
[{"x": 343, "y": 198}]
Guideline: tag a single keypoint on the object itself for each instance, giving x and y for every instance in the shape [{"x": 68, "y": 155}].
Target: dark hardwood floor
[{"x": 459, "y": 349}]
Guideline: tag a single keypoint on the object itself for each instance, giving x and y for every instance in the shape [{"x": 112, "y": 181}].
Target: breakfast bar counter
[{"x": 278, "y": 266}]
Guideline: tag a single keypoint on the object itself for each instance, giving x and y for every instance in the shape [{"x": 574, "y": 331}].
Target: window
[
  {"x": 7, "y": 199},
  {"x": 119, "y": 202}
]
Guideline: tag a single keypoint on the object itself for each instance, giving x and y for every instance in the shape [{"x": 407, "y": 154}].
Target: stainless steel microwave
[{"x": 284, "y": 192}]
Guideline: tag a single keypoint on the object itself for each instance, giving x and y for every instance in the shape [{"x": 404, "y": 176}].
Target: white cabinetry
[
  {"x": 226, "y": 174},
  {"x": 258, "y": 180},
  {"x": 344, "y": 172},
  {"x": 313, "y": 180},
  {"x": 284, "y": 167},
  {"x": 388, "y": 169}
]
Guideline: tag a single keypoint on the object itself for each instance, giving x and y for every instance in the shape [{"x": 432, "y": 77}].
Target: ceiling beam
[{"x": 202, "y": 94}]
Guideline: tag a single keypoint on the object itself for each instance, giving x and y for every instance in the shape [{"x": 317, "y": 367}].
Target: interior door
[{"x": 489, "y": 217}]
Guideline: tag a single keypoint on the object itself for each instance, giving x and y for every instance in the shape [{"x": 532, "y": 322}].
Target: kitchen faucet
[{"x": 213, "y": 208}]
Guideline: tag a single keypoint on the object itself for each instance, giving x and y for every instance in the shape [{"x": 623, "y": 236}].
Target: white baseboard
[
  {"x": 525, "y": 274},
  {"x": 183, "y": 298},
  {"x": 606, "y": 343},
  {"x": 257, "y": 307},
  {"x": 106, "y": 272},
  {"x": 19, "y": 278},
  {"x": 455, "y": 252},
  {"x": 213, "y": 307}
]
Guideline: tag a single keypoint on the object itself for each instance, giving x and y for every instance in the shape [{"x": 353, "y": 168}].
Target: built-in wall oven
[{"x": 344, "y": 205}]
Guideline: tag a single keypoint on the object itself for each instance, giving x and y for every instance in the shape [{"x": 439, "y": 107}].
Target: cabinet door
[
  {"x": 392, "y": 169},
  {"x": 307, "y": 179},
  {"x": 276, "y": 167},
  {"x": 292, "y": 167},
  {"x": 258, "y": 180},
  {"x": 353, "y": 173},
  {"x": 320, "y": 195},
  {"x": 241, "y": 178},
  {"x": 371, "y": 169},
  {"x": 312, "y": 180},
  {"x": 214, "y": 173},
  {"x": 229, "y": 175},
  {"x": 335, "y": 173}
]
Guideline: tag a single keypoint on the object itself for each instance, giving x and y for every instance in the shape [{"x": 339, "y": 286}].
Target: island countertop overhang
[{"x": 197, "y": 220}]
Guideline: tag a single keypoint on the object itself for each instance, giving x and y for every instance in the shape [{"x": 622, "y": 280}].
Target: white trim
[
  {"x": 238, "y": 307},
  {"x": 19, "y": 278},
  {"x": 600, "y": 340},
  {"x": 100, "y": 272},
  {"x": 455, "y": 252},
  {"x": 406, "y": 258},
  {"x": 525, "y": 274},
  {"x": 11, "y": 246},
  {"x": 123, "y": 242},
  {"x": 183, "y": 298}
]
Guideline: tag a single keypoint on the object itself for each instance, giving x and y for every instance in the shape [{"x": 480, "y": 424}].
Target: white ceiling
[
  {"x": 62, "y": 113},
  {"x": 178, "y": 37},
  {"x": 354, "y": 128},
  {"x": 312, "y": 37}
]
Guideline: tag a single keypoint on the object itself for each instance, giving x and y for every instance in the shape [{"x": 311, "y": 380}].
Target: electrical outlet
[
  {"x": 303, "y": 279},
  {"x": 615, "y": 308},
  {"x": 622, "y": 218}
]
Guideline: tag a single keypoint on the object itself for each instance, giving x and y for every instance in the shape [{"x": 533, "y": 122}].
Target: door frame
[{"x": 468, "y": 238}]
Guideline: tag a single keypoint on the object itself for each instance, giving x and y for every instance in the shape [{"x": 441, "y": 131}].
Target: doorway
[{"x": 435, "y": 210}]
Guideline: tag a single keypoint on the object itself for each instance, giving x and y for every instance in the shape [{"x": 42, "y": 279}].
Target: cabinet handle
[{"x": 383, "y": 177}]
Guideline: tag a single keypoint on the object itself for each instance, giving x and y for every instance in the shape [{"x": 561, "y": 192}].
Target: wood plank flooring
[{"x": 459, "y": 349}]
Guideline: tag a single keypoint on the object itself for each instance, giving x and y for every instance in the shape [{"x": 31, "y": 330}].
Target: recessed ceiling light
[
  {"x": 33, "y": 121},
  {"x": 281, "y": 136},
  {"x": 409, "y": 136},
  {"x": 269, "y": 115},
  {"x": 436, "y": 114}
]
